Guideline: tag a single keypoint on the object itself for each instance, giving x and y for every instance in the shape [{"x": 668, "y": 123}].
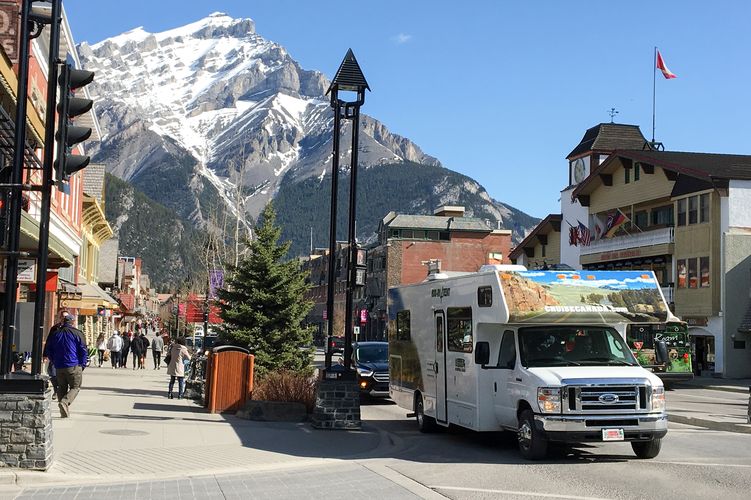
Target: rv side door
[
  {"x": 503, "y": 397},
  {"x": 439, "y": 367}
]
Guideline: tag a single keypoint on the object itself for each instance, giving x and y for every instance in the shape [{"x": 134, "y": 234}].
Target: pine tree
[{"x": 264, "y": 303}]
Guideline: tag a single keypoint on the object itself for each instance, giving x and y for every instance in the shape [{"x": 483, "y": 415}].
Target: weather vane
[{"x": 612, "y": 114}]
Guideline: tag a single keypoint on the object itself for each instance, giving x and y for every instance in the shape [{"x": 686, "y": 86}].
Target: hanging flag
[
  {"x": 585, "y": 235},
  {"x": 662, "y": 67},
  {"x": 615, "y": 220},
  {"x": 598, "y": 232},
  {"x": 573, "y": 236}
]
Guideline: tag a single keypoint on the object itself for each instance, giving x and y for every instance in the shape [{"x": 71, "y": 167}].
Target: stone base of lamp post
[
  {"x": 25, "y": 426},
  {"x": 337, "y": 401}
]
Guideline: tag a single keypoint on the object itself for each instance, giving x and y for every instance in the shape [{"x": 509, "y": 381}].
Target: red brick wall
[{"x": 465, "y": 252}]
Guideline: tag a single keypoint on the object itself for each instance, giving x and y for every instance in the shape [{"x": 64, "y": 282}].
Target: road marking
[
  {"x": 702, "y": 464},
  {"x": 516, "y": 493}
]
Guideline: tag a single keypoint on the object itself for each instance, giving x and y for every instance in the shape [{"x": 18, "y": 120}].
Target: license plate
[{"x": 612, "y": 434}]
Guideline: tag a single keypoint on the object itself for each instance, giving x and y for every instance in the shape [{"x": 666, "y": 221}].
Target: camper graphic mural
[{"x": 601, "y": 296}]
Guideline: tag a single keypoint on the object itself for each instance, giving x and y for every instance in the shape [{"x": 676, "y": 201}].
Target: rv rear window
[
  {"x": 459, "y": 322},
  {"x": 485, "y": 296},
  {"x": 402, "y": 325}
]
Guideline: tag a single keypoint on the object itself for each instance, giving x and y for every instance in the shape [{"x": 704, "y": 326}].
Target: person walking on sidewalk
[
  {"x": 67, "y": 349},
  {"x": 177, "y": 355},
  {"x": 101, "y": 346},
  {"x": 144, "y": 349},
  {"x": 157, "y": 346},
  {"x": 136, "y": 347},
  {"x": 125, "y": 351},
  {"x": 115, "y": 345}
]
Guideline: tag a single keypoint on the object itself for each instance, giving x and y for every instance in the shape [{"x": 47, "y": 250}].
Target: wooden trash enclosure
[{"x": 230, "y": 379}]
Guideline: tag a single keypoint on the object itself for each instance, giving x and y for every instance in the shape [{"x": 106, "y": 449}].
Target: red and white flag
[{"x": 661, "y": 66}]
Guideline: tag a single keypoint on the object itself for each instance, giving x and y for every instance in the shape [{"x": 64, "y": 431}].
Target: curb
[
  {"x": 725, "y": 388},
  {"x": 710, "y": 424}
]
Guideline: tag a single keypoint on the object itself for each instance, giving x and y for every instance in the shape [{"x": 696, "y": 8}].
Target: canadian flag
[{"x": 661, "y": 66}]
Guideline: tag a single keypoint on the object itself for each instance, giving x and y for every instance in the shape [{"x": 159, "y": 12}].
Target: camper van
[{"x": 540, "y": 353}]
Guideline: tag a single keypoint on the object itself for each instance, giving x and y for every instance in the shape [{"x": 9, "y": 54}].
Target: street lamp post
[{"x": 348, "y": 78}]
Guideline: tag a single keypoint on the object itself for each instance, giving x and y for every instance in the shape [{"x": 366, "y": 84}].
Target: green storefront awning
[{"x": 30, "y": 228}]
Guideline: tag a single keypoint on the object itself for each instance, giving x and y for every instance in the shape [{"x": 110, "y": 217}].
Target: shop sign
[
  {"x": 26, "y": 270},
  {"x": 697, "y": 321},
  {"x": 9, "y": 20},
  {"x": 623, "y": 254}
]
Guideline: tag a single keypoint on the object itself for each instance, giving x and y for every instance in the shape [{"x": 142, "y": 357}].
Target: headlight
[
  {"x": 549, "y": 399},
  {"x": 364, "y": 372},
  {"x": 658, "y": 398}
]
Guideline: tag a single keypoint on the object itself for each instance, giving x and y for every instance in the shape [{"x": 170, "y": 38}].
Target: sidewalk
[
  {"x": 123, "y": 428},
  {"x": 717, "y": 404}
]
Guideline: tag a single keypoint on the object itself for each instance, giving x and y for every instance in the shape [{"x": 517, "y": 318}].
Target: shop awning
[
  {"x": 92, "y": 297},
  {"x": 30, "y": 228}
]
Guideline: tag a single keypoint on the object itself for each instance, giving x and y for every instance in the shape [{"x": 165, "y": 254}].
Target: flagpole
[{"x": 654, "y": 87}]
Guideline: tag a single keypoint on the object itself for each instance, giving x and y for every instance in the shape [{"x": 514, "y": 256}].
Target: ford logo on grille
[{"x": 608, "y": 399}]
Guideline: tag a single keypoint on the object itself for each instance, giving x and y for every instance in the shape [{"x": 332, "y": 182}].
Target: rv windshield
[{"x": 573, "y": 346}]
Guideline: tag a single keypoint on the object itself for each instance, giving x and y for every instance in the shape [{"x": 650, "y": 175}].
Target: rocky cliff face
[{"x": 211, "y": 118}]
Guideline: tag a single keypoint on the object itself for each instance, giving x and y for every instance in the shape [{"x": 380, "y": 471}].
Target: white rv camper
[{"x": 540, "y": 353}]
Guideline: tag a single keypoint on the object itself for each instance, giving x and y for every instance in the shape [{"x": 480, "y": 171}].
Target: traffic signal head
[{"x": 69, "y": 135}]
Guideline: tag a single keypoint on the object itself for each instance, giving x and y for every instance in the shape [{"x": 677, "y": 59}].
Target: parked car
[
  {"x": 336, "y": 344},
  {"x": 371, "y": 360}
]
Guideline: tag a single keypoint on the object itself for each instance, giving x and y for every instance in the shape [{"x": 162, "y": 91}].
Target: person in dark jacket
[
  {"x": 137, "y": 348},
  {"x": 126, "y": 349},
  {"x": 144, "y": 349},
  {"x": 66, "y": 348}
]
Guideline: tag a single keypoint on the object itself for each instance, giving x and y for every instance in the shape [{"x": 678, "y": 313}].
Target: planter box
[{"x": 273, "y": 411}]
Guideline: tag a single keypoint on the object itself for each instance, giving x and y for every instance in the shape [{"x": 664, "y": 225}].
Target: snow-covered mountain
[{"x": 211, "y": 116}]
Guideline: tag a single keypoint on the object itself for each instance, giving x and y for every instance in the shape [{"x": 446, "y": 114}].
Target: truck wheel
[
  {"x": 647, "y": 449},
  {"x": 532, "y": 445},
  {"x": 424, "y": 423}
]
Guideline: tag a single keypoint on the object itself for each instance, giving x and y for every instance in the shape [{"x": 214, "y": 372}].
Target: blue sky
[{"x": 503, "y": 90}]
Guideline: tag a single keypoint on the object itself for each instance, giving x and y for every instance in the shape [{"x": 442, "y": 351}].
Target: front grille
[
  {"x": 611, "y": 423},
  {"x": 381, "y": 376},
  {"x": 605, "y": 399}
]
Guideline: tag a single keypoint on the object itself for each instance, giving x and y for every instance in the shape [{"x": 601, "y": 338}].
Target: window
[
  {"x": 693, "y": 209},
  {"x": 626, "y": 175},
  {"x": 637, "y": 168},
  {"x": 439, "y": 333},
  {"x": 407, "y": 234},
  {"x": 682, "y": 274},
  {"x": 507, "y": 354},
  {"x": 459, "y": 321},
  {"x": 485, "y": 296},
  {"x": 444, "y": 236},
  {"x": 641, "y": 219},
  {"x": 662, "y": 216},
  {"x": 543, "y": 250},
  {"x": 704, "y": 272},
  {"x": 704, "y": 207},
  {"x": 693, "y": 279},
  {"x": 682, "y": 212},
  {"x": 433, "y": 235},
  {"x": 402, "y": 325},
  {"x": 419, "y": 235}
]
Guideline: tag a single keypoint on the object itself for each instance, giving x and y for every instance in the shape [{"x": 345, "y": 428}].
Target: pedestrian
[
  {"x": 101, "y": 346},
  {"x": 177, "y": 355},
  {"x": 145, "y": 344},
  {"x": 157, "y": 346},
  {"x": 125, "y": 351},
  {"x": 115, "y": 345},
  {"x": 136, "y": 347},
  {"x": 66, "y": 348}
]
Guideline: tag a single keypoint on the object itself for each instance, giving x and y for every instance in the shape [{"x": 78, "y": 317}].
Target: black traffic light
[{"x": 69, "y": 135}]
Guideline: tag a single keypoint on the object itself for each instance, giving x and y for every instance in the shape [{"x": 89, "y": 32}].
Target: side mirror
[
  {"x": 661, "y": 353},
  {"x": 482, "y": 353}
]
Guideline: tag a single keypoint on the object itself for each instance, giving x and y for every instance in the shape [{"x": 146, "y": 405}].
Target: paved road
[{"x": 123, "y": 427}]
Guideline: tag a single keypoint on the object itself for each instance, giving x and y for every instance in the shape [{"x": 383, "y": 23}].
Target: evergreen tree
[{"x": 264, "y": 303}]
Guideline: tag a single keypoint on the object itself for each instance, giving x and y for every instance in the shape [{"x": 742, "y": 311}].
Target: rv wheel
[
  {"x": 647, "y": 449},
  {"x": 424, "y": 423},
  {"x": 532, "y": 444}
]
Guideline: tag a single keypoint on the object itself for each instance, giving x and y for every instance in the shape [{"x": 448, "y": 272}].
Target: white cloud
[
  {"x": 531, "y": 274},
  {"x": 401, "y": 38}
]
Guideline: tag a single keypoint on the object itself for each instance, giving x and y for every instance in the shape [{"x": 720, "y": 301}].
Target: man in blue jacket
[{"x": 66, "y": 348}]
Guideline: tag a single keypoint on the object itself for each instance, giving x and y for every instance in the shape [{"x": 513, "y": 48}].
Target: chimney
[{"x": 449, "y": 211}]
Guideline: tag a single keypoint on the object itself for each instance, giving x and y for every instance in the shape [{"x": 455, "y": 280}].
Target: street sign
[
  {"x": 356, "y": 331},
  {"x": 26, "y": 270}
]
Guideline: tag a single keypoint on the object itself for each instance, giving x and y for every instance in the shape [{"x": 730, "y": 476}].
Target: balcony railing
[{"x": 634, "y": 240}]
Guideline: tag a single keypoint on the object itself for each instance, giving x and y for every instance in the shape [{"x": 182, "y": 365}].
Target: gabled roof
[
  {"x": 710, "y": 167},
  {"x": 608, "y": 137},
  {"x": 551, "y": 222},
  {"x": 437, "y": 223}
]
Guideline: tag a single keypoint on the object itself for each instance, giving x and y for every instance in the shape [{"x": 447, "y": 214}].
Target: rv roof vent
[{"x": 502, "y": 267}]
